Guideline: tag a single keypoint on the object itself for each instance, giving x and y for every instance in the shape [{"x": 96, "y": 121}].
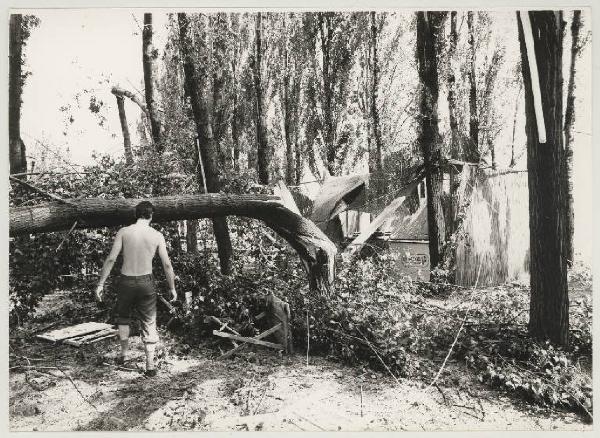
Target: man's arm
[
  {"x": 109, "y": 262},
  {"x": 167, "y": 266}
]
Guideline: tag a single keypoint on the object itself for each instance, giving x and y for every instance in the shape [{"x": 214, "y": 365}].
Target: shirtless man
[{"x": 135, "y": 285}]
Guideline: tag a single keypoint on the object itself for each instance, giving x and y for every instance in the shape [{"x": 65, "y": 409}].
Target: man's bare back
[{"x": 140, "y": 243}]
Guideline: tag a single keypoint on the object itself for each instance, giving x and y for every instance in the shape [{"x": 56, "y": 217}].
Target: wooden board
[
  {"x": 258, "y": 337},
  {"x": 248, "y": 340},
  {"x": 83, "y": 329},
  {"x": 91, "y": 338}
]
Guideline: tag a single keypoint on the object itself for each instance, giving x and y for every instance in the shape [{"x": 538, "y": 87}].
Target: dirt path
[{"x": 255, "y": 391}]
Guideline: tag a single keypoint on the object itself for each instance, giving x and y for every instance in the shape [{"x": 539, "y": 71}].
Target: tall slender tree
[
  {"x": 196, "y": 85},
  {"x": 471, "y": 152},
  {"x": 333, "y": 58},
  {"x": 149, "y": 57},
  {"x": 569, "y": 122},
  {"x": 375, "y": 27},
  {"x": 17, "y": 159},
  {"x": 124, "y": 129},
  {"x": 549, "y": 305},
  {"x": 260, "y": 110},
  {"x": 452, "y": 106},
  {"x": 428, "y": 29},
  {"x": 292, "y": 56}
]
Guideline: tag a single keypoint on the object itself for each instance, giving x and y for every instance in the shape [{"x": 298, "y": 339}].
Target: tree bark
[
  {"x": 452, "y": 105},
  {"x": 569, "y": 122},
  {"x": 150, "y": 54},
  {"x": 375, "y": 124},
  {"x": 285, "y": 103},
  {"x": 428, "y": 25},
  {"x": 316, "y": 251},
  {"x": 17, "y": 159},
  {"x": 125, "y": 130},
  {"x": 471, "y": 154},
  {"x": 513, "y": 163},
  {"x": 326, "y": 32},
  {"x": 208, "y": 150},
  {"x": 261, "y": 117},
  {"x": 549, "y": 304},
  {"x": 236, "y": 113},
  {"x": 191, "y": 236}
]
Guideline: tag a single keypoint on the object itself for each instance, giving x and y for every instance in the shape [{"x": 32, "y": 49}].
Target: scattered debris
[{"x": 80, "y": 334}]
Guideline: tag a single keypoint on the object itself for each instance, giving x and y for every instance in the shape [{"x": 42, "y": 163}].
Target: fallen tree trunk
[{"x": 316, "y": 251}]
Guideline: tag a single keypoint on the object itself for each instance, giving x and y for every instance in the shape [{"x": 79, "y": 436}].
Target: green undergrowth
[{"x": 392, "y": 325}]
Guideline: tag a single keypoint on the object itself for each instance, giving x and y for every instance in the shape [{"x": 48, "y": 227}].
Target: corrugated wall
[{"x": 497, "y": 231}]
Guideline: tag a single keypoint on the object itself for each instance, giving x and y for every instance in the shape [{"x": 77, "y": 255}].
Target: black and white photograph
[{"x": 293, "y": 219}]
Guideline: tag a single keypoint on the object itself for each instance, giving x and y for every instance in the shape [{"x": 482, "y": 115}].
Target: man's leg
[
  {"x": 124, "y": 303},
  {"x": 147, "y": 315},
  {"x": 150, "y": 352},
  {"x": 124, "y": 340}
]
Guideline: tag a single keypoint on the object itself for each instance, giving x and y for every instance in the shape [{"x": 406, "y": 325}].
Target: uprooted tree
[{"x": 314, "y": 248}]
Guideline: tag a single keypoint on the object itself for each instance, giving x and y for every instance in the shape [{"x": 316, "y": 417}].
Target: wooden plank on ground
[
  {"x": 73, "y": 331},
  {"x": 248, "y": 340},
  {"x": 91, "y": 338}
]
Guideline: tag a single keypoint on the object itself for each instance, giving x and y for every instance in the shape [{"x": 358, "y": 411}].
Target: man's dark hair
[{"x": 144, "y": 210}]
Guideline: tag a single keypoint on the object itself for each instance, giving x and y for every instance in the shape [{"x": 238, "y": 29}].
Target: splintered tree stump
[{"x": 278, "y": 311}]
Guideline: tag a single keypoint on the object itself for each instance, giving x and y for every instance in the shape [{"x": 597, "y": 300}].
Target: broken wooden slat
[
  {"x": 223, "y": 325},
  {"x": 248, "y": 340},
  {"x": 73, "y": 331},
  {"x": 357, "y": 243},
  {"x": 260, "y": 336}
]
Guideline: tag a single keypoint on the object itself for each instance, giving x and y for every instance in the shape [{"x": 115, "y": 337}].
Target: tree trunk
[
  {"x": 316, "y": 251},
  {"x": 512, "y": 145},
  {"x": 549, "y": 305},
  {"x": 263, "y": 157},
  {"x": 17, "y": 159},
  {"x": 235, "y": 134},
  {"x": 286, "y": 109},
  {"x": 492, "y": 150},
  {"x": 125, "y": 129},
  {"x": 569, "y": 122},
  {"x": 150, "y": 54},
  {"x": 191, "y": 236},
  {"x": 472, "y": 150},
  {"x": 326, "y": 36},
  {"x": 298, "y": 163},
  {"x": 236, "y": 113},
  {"x": 452, "y": 105},
  {"x": 428, "y": 25},
  {"x": 374, "y": 90},
  {"x": 208, "y": 150}
]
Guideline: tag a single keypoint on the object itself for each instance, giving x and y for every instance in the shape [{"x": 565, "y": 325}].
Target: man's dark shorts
[{"x": 136, "y": 296}]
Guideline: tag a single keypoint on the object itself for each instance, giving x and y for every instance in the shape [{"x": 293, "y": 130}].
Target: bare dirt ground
[{"x": 59, "y": 387}]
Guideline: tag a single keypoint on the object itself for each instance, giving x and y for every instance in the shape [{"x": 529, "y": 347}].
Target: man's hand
[
  {"x": 100, "y": 292},
  {"x": 173, "y": 295}
]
